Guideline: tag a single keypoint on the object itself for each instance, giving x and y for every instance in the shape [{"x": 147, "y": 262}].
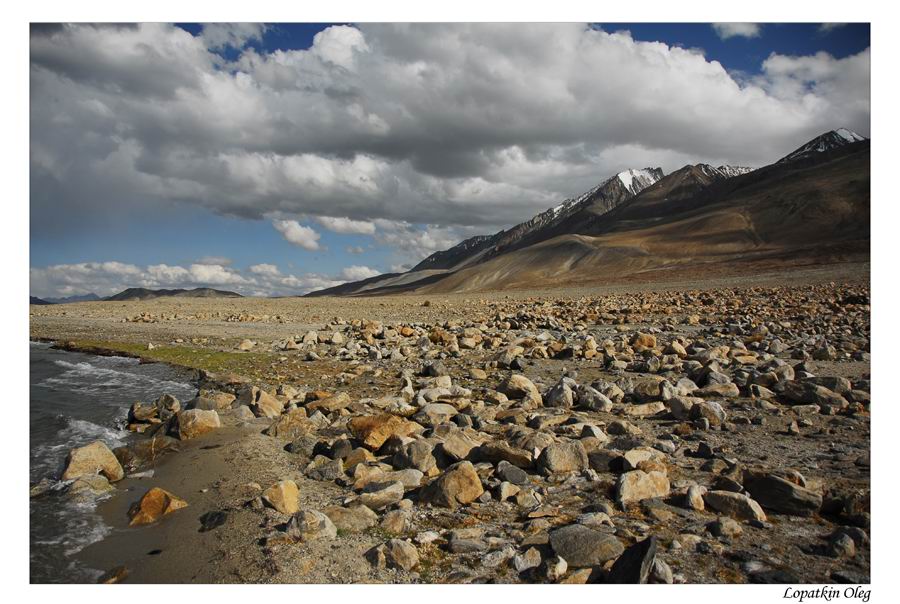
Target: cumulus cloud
[
  {"x": 346, "y": 226},
  {"x": 355, "y": 273},
  {"x": 460, "y": 127},
  {"x": 106, "y": 278},
  {"x": 742, "y": 30},
  {"x": 297, "y": 234}
]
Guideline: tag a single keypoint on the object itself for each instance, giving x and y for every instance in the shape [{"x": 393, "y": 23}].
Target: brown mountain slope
[{"x": 791, "y": 212}]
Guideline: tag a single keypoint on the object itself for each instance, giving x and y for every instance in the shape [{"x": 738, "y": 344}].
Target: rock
[
  {"x": 155, "y": 504},
  {"x": 378, "y": 495},
  {"x": 196, "y": 422},
  {"x": 324, "y": 469},
  {"x": 563, "y": 457},
  {"x": 511, "y": 473},
  {"x": 694, "y": 498},
  {"x": 266, "y": 405},
  {"x": 373, "y": 430},
  {"x": 144, "y": 453},
  {"x": 284, "y": 496},
  {"x": 354, "y": 519},
  {"x": 643, "y": 341},
  {"x": 622, "y": 428},
  {"x": 497, "y": 451},
  {"x": 638, "y": 485},
  {"x": 560, "y": 395},
  {"x": 119, "y": 573},
  {"x": 590, "y": 398},
  {"x": 519, "y": 387},
  {"x": 735, "y": 505},
  {"x": 330, "y": 404},
  {"x": 89, "y": 486},
  {"x": 246, "y": 345},
  {"x": 581, "y": 546},
  {"x": 395, "y": 522},
  {"x": 457, "y": 446},
  {"x": 458, "y": 485},
  {"x": 780, "y": 495},
  {"x": 292, "y": 424},
  {"x": 212, "y": 520},
  {"x": 725, "y": 527},
  {"x": 310, "y": 525},
  {"x": 554, "y": 569},
  {"x": 416, "y": 455},
  {"x": 711, "y": 411},
  {"x": 396, "y": 553},
  {"x": 91, "y": 459},
  {"x": 841, "y": 545},
  {"x": 531, "y": 558},
  {"x": 433, "y": 414},
  {"x": 635, "y": 564}
]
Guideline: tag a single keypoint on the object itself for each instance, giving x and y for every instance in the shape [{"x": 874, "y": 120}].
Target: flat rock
[{"x": 581, "y": 546}]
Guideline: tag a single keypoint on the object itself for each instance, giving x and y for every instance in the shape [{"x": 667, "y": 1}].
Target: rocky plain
[{"x": 692, "y": 432}]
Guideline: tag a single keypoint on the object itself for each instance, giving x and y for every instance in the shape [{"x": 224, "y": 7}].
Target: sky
[{"x": 275, "y": 159}]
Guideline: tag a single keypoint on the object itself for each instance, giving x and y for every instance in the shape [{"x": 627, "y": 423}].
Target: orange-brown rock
[
  {"x": 373, "y": 430},
  {"x": 155, "y": 504}
]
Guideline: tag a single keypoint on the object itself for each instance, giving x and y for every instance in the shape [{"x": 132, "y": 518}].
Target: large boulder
[
  {"x": 330, "y": 404},
  {"x": 582, "y": 546},
  {"x": 353, "y": 519},
  {"x": 292, "y": 424},
  {"x": 284, "y": 496},
  {"x": 380, "y": 494},
  {"x": 144, "y": 453},
  {"x": 635, "y": 564},
  {"x": 638, "y": 485},
  {"x": 396, "y": 553},
  {"x": 196, "y": 422},
  {"x": 266, "y": 405},
  {"x": 781, "y": 495},
  {"x": 373, "y": 430},
  {"x": 91, "y": 459},
  {"x": 736, "y": 505},
  {"x": 562, "y": 457},
  {"x": 518, "y": 386},
  {"x": 155, "y": 504},
  {"x": 458, "y": 485},
  {"x": 310, "y": 525}
]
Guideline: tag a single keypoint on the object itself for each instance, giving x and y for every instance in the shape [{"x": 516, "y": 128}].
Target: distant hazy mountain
[
  {"x": 92, "y": 297},
  {"x": 811, "y": 206},
  {"x": 140, "y": 293},
  {"x": 37, "y": 301}
]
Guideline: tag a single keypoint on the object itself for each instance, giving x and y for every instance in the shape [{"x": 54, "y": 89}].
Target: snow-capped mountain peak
[
  {"x": 829, "y": 141},
  {"x": 636, "y": 181},
  {"x": 731, "y": 171},
  {"x": 849, "y": 135}
]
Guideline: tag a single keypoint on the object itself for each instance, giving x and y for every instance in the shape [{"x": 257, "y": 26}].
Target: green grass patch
[{"x": 216, "y": 361}]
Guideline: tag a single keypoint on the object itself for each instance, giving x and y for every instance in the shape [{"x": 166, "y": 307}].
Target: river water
[{"x": 76, "y": 399}]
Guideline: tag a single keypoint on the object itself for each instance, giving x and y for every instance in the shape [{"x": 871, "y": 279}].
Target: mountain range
[
  {"x": 811, "y": 206},
  {"x": 139, "y": 293}
]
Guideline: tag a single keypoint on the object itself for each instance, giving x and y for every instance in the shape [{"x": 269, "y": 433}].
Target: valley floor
[{"x": 714, "y": 429}]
